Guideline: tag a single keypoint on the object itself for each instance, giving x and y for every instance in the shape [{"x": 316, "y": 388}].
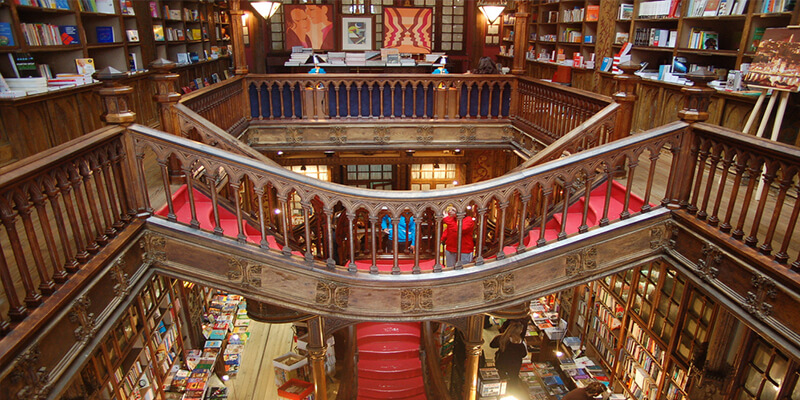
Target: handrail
[
  {"x": 535, "y": 189},
  {"x": 222, "y": 103},
  {"x": 593, "y": 132}
]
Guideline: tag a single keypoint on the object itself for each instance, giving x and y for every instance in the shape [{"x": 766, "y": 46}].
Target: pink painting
[
  {"x": 309, "y": 25},
  {"x": 407, "y": 29}
]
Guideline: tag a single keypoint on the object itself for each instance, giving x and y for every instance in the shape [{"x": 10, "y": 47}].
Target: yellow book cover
[{"x": 85, "y": 66}]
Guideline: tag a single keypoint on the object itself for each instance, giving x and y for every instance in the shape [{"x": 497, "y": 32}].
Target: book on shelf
[
  {"x": 158, "y": 33},
  {"x": 69, "y": 34},
  {"x": 133, "y": 35},
  {"x": 23, "y": 65},
  {"x": 154, "y": 9},
  {"x": 710, "y": 9},
  {"x": 172, "y": 14},
  {"x": 135, "y": 65},
  {"x": 592, "y": 12},
  {"x": 625, "y": 12},
  {"x": 621, "y": 37},
  {"x": 654, "y": 9},
  {"x": 105, "y": 34},
  {"x": 104, "y": 6},
  {"x": 6, "y": 35},
  {"x": 758, "y": 33},
  {"x": 126, "y": 7}
]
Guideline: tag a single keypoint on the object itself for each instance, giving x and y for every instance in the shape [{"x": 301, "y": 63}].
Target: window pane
[
  {"x": 752, "y": 380},
  {"x": 769, "y": 392},
  {"x": 761, "y": 357},
  {"x": 778, "y": 369}
]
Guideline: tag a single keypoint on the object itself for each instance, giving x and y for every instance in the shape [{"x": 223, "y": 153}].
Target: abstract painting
[
  {"x": 408, "y": 29},
  {"x": 776, "y": 64},
  {"x": 357, "y": 33},
  {"x": 309, "y": 25}
]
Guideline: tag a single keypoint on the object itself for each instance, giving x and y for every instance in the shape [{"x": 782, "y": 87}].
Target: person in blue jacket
[{"x": 406, "y": 234}]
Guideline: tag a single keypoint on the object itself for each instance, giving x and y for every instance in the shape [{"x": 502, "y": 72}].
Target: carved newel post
[
  {"x": 695, "y": 109},
  {"x": 625, "y": 96},
  {"x": 239, "y": 61},
  {"x": 316, "y": 357},
  {"x": 711, "y": 380},
  {"x": 165, "y": 82},
  {"x": 522, "y": 16},
  {"x": 115, "y": 97},
  {"x": 473, "y": 344}
]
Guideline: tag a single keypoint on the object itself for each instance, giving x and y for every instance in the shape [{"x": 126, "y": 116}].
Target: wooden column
[
  {"x": 520, "y": 37},
  {"x": 626, "y": 98},
  {"x": 165, "y": 82},
  {"x": 115, "y": 97},
  {"x": 316, "y": 357},
  {"x": 239, "y": 61},
  {"x": 473, "y": 343},
  {"x": 710, "y": 382}
]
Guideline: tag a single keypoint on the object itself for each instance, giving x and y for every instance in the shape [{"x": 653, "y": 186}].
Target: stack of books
[{"x": 355, "y": 59}]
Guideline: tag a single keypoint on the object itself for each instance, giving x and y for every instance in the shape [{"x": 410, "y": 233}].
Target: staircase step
[
  {"x": 369, "y": 329},
  {"x": 391, "y": 389},
  {"x": 389, "y": 369},
  {"x": 413, "y": 397},
  {"x": 383, "y": 349}
]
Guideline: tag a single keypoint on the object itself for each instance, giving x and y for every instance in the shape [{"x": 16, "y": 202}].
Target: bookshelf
[
  {"x": 642, "y": 366},
  {"x": 605, "y": 324},
  {"x": 138, "y": 352}
]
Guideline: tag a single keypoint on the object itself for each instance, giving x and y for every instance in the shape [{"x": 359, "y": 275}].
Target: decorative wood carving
[
  {"x": 708, "y": 266},
  {"x": 79, "y": 315},
  {"x": 28, "y": 373},
  {"x": 121, "y": 279},
  {"x": 154, "y": 246},
  {"x": 416, "y": 300},
  {"x": 332, "y": 295},
  {"x": 244, "y": 272},
  {"x": 294, "y": 135},
  {"x": 338, "y": 134},
  {"x": 425, "y": 134},
  {"x": 581, "y": 261},
  {"x": 381, "y": 135},
  {"x": 467, "y": 134},
  {"x": 661, "y": 236},
  {"x": 331, "y": 324},
  {"x": 498, "y": 287},
  {"x": 756, "y": 301}
]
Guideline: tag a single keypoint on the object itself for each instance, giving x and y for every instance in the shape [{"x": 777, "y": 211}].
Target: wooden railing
[
  {"x": 745, "y": 187},
  {"x": 223, "y": 104},
  {"x": 512, "y": 200},
  {"x": 59, "y": 208}
]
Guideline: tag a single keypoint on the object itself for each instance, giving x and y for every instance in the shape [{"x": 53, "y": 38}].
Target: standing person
[
  {"x": 586, "y": 393},
  {"x": 406, "y": 234},
  {"x": 450, "y": 237},
  {"x": 508, "y": 359},
  {"x": 298, "y": 29},
  {"x": 321, "y": 27}
]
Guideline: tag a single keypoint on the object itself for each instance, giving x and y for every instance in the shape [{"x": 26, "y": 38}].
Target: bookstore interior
[{"x": 645, "y": 333}]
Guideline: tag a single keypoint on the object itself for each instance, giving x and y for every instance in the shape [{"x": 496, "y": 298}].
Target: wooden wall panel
[{"x": 68, "y": 118}]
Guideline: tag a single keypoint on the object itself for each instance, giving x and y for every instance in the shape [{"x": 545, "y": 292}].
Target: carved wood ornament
[
  {"x": 416, "y": 300},
  {"x": 332, "y": 295},
  {"x": 756, "y": 301},
  {"x": 498, "y": 287},
  {"x": 79, "y": 315},
  {"x": 154, "y": 248},
  {"x": 29, "y": 373},
  {"x": 707, "y": 267},
  {"x": 121, "y": 279},
  {"x": 244, "y": 272},
  {"x": 581, "y": 261}
]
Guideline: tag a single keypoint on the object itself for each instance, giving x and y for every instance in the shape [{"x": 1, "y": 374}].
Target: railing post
[
  {"x": 115, "y": 97},
  {"x": 473, "y": 344},
  {"x": 695, "y": 109},
  {"x": 239, "y": 61},
  {"x": 521, "y": 37},
  {"x": 166, "y": 97},
  {"x": 625, "y": 96}
]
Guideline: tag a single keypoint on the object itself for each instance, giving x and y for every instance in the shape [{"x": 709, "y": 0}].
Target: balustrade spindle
[
  {"x": 632, "y": 164},
  {"x": 417, "y": 220},
  {"x": 87, "y": 176},
  {"x": 307, "y": 230},
  {"x": 80, "y": 246},
  {"x": 127, "y": 204},
  {"x": 566, "y": 194},
  {"x": 331, "y": 263},
  {"x": 522, "y": 214},
  {"x": 501, "y": 253},
  {"x": 284, "y": 206},
  {"x": 373, "y": 221},
  {"x": 99, "y": 187},
  {"x": 113, "y": 195},
  {"x": 59, "y": 275},
  {"x": 212, "y": 188},
  {"x": 769, "y": 177},
  {"x": 609, "y": 170},
  {"x": 46, "y": 284},
  {"x": 753, "y": 171},
  {"x": 32, "y": 299},
  {"x": 16, "y": 311},
  {"x": 74, "y": 180},
  {"x": 715, "y": 157},
  {"x": 739, "y": 171},
  {"x": 785, "y": 184},
  {"x": 396, "y": 245},
  {"x": 165, "y": 183},
  {"x": 586, "y": 197},
  {"x": 783, "y": 256},
  {"x": 703, "y": 154},
  {"x": 713, "y": 220},
  {"x": 437, "y": 265},
  {"x": 237, "y": 204},
  {"x": 459, "y": 225},
  {"x": 654, "y": 156},
  {"x": 188, "y": 174},
  {"x": 351, "y": 241}
]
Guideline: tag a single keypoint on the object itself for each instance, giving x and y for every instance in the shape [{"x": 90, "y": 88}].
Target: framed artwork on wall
[
  {"x": 309, "y": 25},
  {"x": 357, "y": 33},
  {"x": 408, "y": 29}
]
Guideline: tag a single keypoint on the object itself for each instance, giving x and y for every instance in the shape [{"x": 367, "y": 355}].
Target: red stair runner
[{"x": 389, "y": 366}]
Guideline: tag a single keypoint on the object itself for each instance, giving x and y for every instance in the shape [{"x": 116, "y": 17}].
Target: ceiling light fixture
[
  {"x": 491, "y": 11},
  {"x": 266, "y": 8}
]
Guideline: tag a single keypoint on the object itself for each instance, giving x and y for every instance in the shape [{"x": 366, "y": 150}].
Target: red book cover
[{"x": 592, "y": 12}]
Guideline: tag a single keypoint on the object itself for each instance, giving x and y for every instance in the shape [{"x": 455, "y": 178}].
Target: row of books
[
  {"x": 58, "y": 4},
  {"x": 39, "y": 34},
  {"x": 635, "y": 351},
  {"x": 659, "y": 9},
  {"x": 714, "y": 8},
  {"x": 187, "y": 15},
  {"x": 703, "y": 40},
  {"x": 773, "y": 6},
  {"x": 97, "y": 6},
  {"x": 655, "y": 37}
]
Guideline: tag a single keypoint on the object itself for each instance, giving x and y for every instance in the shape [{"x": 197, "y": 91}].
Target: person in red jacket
[{"x": 450, "y": 237}]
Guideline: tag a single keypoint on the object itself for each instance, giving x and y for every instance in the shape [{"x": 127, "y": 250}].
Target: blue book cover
[
  {"x": 606, "y": 65},
  {"x": 6, "y": 36},
  {"x": 62, "y": 4},
  {"x": 69, "y": 34},
  {"x": 105, "y": 34}
]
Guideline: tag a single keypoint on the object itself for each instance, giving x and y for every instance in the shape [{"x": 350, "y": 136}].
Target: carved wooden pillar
[
  {"x": 165, "y": 82},
  {"x": 316, "y": 357},
  {"x": 710, "y": 382},
  {"x": 626, "y": 98},
  {"x": 239, "y": 61},
  {"x": 520, "y": 37},
  {"x": 115, "y": 97},
  {"x": 473, "y": 343},
  {"x": 695, "y": 109}
]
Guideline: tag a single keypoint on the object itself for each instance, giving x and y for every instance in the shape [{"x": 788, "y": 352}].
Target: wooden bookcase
[
  {"x": 137, "y": 354},
  {"x": 208, "y": 20}
]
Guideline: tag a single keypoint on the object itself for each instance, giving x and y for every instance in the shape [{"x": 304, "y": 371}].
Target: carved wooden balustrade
[
  {"x": 224, "y": 105},
  {"x": 535, "y": 190},
  {"x": 58, "y": 209},
  {"x": 745, "y": 187}
]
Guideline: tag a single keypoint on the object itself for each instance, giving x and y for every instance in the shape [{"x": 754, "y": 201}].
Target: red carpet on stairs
[{"x": 389, "y": 365}]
